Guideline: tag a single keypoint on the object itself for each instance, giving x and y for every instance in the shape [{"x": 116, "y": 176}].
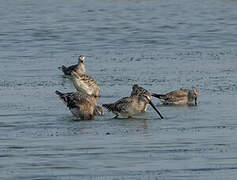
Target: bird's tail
[
  {"x": 66, "y": 99},
  {"x": 159, "y": 96},
  {"x": 63, "y": 68},
  {"x": 59, "y": 93},
  {"x": 109, "y": 107},
  {"x": 62, "y": 96}
]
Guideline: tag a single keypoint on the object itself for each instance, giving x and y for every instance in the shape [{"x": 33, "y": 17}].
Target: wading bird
[
  {"x": 135, "y": 104},
  {"x": 80, "y": 67},
  {"x": 81, "y": 105},
  {"x": 179, "y": 97},
  {"x": 84, "y": 83}
]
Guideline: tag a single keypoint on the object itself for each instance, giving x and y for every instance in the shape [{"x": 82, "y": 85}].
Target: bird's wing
[
  {"x": 177, "y": 95},
  {"x": 122, "y": 104},
  {"x": 72, "y": 67},
  {"x": 87, "y": 79},
  {"x": 79, "y": 95}
]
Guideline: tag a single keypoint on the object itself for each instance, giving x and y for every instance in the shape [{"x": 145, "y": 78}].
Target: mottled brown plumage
[
  {"x": 138, "y": 90},
  {"x": 81, "y": 105},
  {"x": 84, "y": 83}
]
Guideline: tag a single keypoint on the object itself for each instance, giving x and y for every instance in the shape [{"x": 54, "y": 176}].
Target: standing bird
[
  {"x": 81, "y": 105},
  {"x": 84, "y": 83},
  {"x": 80, "y": 67},
  {"x": 179, "y": 97},
  {"x": 129, "y": 106}
]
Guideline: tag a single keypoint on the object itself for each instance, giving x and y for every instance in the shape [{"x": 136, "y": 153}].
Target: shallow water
[{"x": 160, "y": 45}]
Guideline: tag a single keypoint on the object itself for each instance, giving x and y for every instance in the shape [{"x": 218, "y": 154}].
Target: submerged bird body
[
  {"x": 84, "y": 83},
  {"x": 80, "y": 67},
  {"x": 81, "y": 105},
  {"x": 179, "y": 97}
]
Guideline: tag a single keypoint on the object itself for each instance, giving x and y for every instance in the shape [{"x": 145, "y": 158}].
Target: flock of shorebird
[{"x": 83, "y": 103}]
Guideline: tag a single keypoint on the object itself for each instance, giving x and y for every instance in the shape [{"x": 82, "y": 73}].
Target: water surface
[{"x": 160, "y": 45}]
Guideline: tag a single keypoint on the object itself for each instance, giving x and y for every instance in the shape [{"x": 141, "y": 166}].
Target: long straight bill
[{"x": 152, "y": 105}]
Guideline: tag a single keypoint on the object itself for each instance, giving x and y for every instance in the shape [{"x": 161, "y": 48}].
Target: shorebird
[
  {"x": 129, "y": 106},
  {"x": 179, "y": 97},
  {"x": 80, "y": 67},
  {"x": 81, "y": 105},
  {"x": 138, "y": 90},
  {"x": 84, "y": 83}
]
